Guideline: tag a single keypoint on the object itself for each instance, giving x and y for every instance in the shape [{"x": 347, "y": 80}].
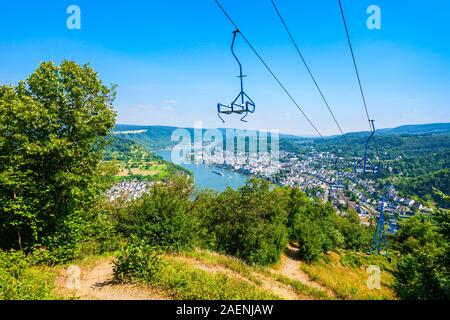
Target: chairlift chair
[{"x": 242, "y": 104}]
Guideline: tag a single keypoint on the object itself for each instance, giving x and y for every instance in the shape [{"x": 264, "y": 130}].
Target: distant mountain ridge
[
  {"x": 166, "y": 131},
  {"x": 418, "y": 129}
]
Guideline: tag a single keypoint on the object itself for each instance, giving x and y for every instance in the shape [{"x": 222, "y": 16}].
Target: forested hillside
[
  {"x": 135, "y": 162},
  {"x": 428, "y": 187}
]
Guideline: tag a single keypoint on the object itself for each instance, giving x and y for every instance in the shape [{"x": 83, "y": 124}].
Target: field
[
  {"x": 143, "y": 169},
  {"x": 134, "y": 162}
]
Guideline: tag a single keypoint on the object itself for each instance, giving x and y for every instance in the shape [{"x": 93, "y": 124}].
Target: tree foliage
[
  {"x": 423, "y": 270},
  {"x": 52, "y": 133},
  {"x": 313, "y": 229},
  {"x": 250, "y": 222},
  {"x": 163, "y": 217},
  {"x": 356, "y": 236}
]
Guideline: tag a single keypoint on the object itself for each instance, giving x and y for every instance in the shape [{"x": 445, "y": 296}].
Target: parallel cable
[
  {"x": 308, "y": 68},
  {"x": 354, "y": 63},
  {"x": 270, "y": 71}
]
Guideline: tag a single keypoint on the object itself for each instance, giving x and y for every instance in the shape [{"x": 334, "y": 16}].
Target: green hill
[{"x": 424, "y": 186}]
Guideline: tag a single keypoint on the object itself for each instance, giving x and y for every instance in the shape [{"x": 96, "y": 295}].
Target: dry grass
[
  {"x": 347, "y": 282},
  {"x": 256, "y": 273}
]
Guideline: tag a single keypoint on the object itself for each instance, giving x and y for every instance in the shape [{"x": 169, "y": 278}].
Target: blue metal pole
[
  {"x": 241, "y": 76},
  {"x": 372, "y": 127}
]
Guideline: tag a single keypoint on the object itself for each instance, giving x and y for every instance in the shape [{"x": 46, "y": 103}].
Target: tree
[
  {"x": 310, "y": 237},
  {"x": 356, "y": 236},
  {"x": 423, "y": 270},
  {"x": 313, "y": 230},
  {"x": 424, "y": 274},
  {"x": 250, "y": 222},
  {"x": 53, "y": 129},
  {"x": 416, "y": 232},
  {"x": 297, "y": 200},
  {"x": 163, "y": 217}
]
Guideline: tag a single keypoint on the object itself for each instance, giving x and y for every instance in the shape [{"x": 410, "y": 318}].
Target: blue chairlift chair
[{"x": 242, "y": 105}]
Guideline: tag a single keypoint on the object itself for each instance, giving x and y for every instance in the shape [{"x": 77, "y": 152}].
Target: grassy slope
[
  {"x": 206, "y": 275},
  {"x": 350, "y": 282}
]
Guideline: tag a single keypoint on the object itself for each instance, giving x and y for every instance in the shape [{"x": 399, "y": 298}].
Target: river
[{"x": 206, "y": 178}]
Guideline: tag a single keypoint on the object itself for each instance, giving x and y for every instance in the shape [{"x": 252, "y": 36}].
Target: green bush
[
  {"x": 137, "y": 261},
  {"x": 19, "y": 280},
  {"x": 424, "y": 274},
  {"x": 249, "y": 223},
  {"x": 311, "y": 239},
  {"x": 416, "y": 232},
  {"x": 163, "y": 217},
  {"x": 423, "y": 269},
  {"x": 356, "y": 236},
  {"x": 313, "y": 230},
  {"x": 351, "y": 260},
  {"x": 100, "y": 232}
]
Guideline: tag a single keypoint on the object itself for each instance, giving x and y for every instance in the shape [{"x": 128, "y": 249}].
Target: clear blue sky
[{"x": 172, "y": 63}]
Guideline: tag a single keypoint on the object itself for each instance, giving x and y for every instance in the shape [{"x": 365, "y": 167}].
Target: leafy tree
[
  {"x": 423, "y": 270},
  {"x": 356, "y": 236},
  {"x": 424, "y": 273},
  {"x": 297, "y": 200},
  {"x": 163, "y": 217},
  {"x": 204, "y": 203},
  {"x": 310, "y": 237},
  {"x": 52, "y": 134},
  {"x": 416, "y": 232},
  {"x": 313, "y": 230},
  {"x": 442, "y": 219},
  {"x": 250, "y": 223}
]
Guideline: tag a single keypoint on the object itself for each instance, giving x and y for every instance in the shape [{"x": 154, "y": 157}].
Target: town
[{"x": 317, "y": 174}]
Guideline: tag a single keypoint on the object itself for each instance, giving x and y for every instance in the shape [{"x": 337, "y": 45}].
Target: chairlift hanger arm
[
  {"x": 372, "y": 128},
  {"x": 235, "y": 32}
]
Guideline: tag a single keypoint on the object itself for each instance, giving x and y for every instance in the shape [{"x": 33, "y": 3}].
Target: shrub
[
  {"x": 137, "y": 261},
  {"x": 424, "y": 274},
  {"x": 351, "y": 260},
  {"x": 249, "y": 223},
  {"x": 356, "y": 236},
  {"x": 423, "y": 269},
  {"x": 163, "y": 217},
  {"x": 311, "y": 239},
  {"x": 313, "y": 230},
  {"x": 100, "y": 234},
  {"x": 19, "y": 280}
]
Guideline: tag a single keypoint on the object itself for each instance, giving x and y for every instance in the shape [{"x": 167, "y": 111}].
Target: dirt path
[
  {"x": 96, "y": 280},
  {"x": 96, "y": 283},
  {"x": 281, "y": 290},
  {"x": 290, "y": 267}
]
